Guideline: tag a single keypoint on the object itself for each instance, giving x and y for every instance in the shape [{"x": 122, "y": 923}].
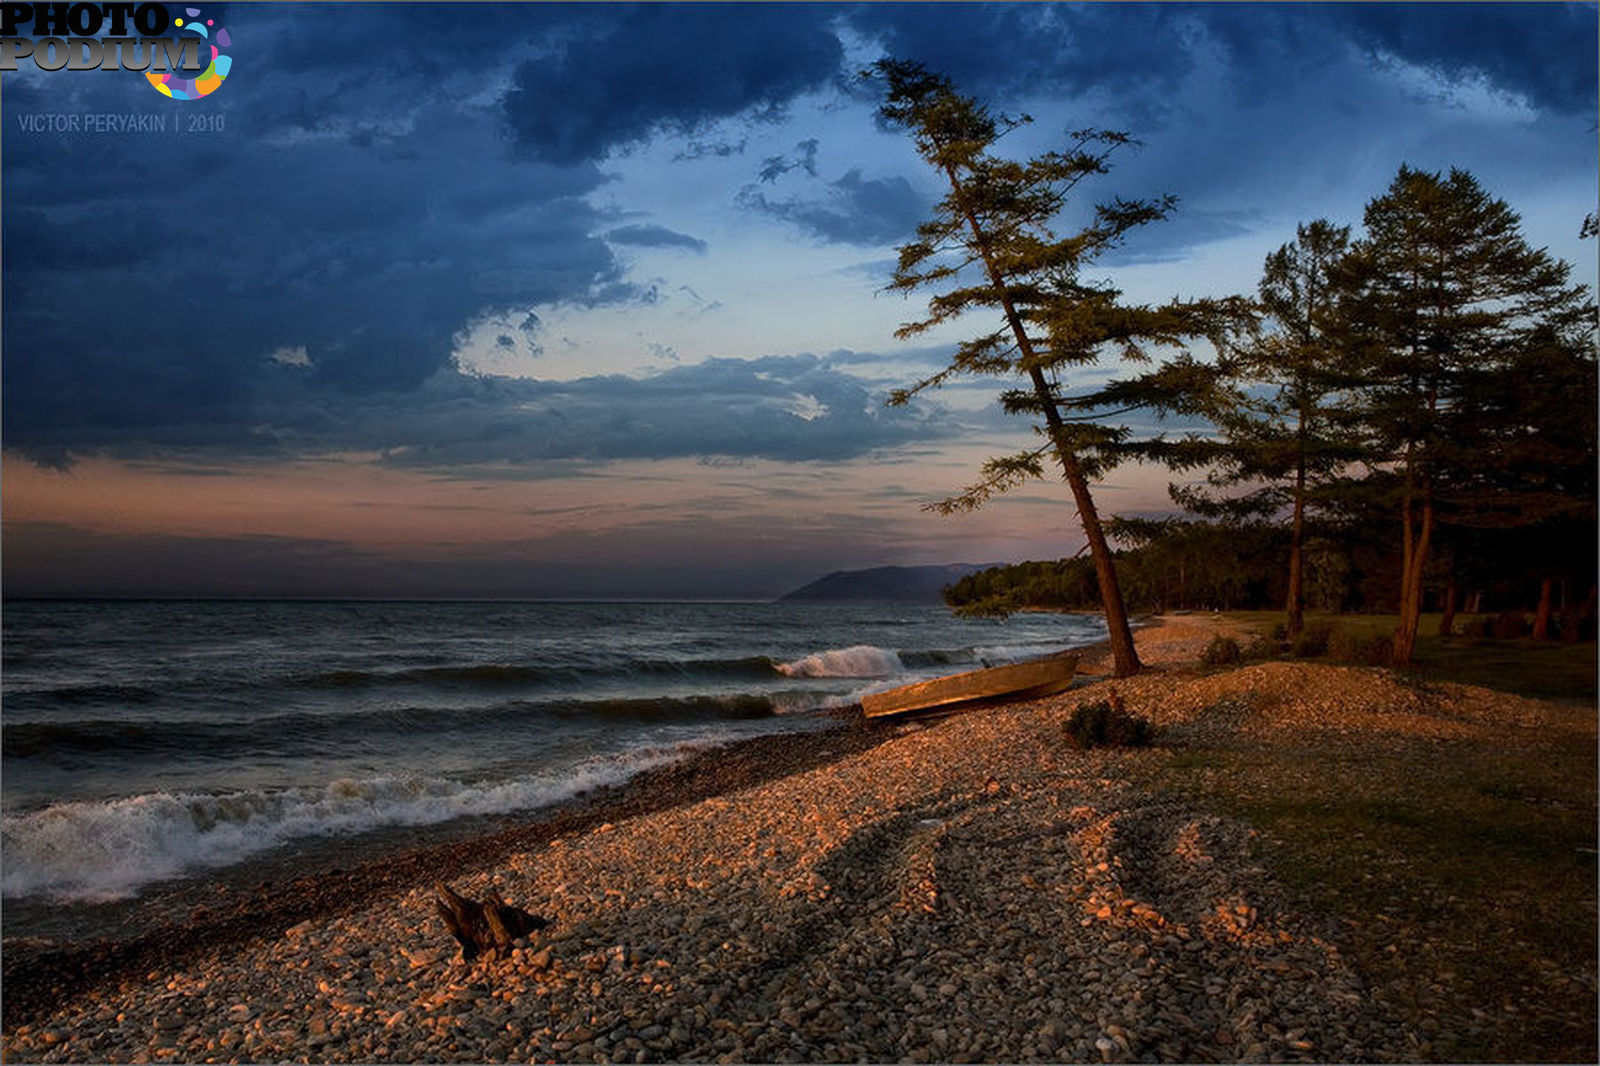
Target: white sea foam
[
  {"x": 1000, "y": 654},
  {"x": 862, "y": 660},
  {"x": 99, "y": 851}
]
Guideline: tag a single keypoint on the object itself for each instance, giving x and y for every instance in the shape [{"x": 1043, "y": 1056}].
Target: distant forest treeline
[{"x": 1202, "y": 565}]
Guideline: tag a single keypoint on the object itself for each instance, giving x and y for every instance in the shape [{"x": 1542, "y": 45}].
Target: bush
[
  {"x": 1312, "y": 641},
  {"x": 1263, "y": 648},
  {"x": 1280, "y": 632},
  {"x": 1220, "y": 652},
  {"x": 1107, "y": 725},
  {"x": 1378, "y": 651},
  {"x": 1509, "y": 625},
  {"x": 1347, "y": 647},
  {"x": 1342, "y": 645}
]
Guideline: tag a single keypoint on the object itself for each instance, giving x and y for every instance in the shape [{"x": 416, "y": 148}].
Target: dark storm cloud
[
  {"x": 657, "y": 67},
  {"x": 805, "y": 158},
  {"x": 797, "y": 408},
  {"x": 366, "y": 203},
  {"x": 854, "y": 210},
  {"x": 800, "y": 407},
  {"x": 989, "y": 49},
  {"x": 1544, "y": 52},
  {"x": 1134, "y": 54},
  {"x": 363, "y": 213},
  {"x": 55, "y": 559},
  {"x": 646, "y": 236}
]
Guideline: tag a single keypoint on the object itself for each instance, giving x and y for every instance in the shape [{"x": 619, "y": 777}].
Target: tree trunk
[
  {"x": 1124, "y": 657},
  {"x": 1297, "y": 599},
  {"x": 1447, "y": 620},
  {"x": 1541, "y": 618},
  {"x": 1572, "y": 621},
  {"x": 1414, "y": 563}
]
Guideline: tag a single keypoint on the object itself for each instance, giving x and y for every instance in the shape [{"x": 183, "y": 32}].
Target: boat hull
[{"x": 1025, "y": 680}]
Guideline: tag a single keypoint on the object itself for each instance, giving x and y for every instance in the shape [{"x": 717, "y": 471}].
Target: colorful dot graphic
[{"x": 172, "y": 83}]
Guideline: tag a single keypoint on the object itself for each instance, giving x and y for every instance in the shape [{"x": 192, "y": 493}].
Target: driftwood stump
[{"x": 490, "y": 926}]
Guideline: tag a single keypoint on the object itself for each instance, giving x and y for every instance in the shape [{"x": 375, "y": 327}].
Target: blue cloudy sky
[{"x": 555, "y": 300}]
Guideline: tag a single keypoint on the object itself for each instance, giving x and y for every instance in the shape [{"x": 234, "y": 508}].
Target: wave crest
[
  {"x": 96, "y": 851},
  {"x": 861, "y": 660}
]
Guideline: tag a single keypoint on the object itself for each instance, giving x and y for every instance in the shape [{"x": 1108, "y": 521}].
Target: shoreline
[
  {"x": 38, "y": 978},
  {"x": 967, "y": 888}
]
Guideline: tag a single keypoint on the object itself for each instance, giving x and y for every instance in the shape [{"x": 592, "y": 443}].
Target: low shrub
[
  {"x": 1342, "y": 645},
  {"x": 1376, "y": 651},
  {"x": 1106, "y": 725},
  {"x": 1263, "y": 648},
  {"x": 1312, "y": 641},
  {"x": 1509, "y": 625},
  {"x": 1347, "y": 647},
  {"x": 1221, "y": 652}
]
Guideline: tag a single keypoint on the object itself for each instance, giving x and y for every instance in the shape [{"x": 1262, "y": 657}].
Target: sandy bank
[{"x": 975, "y": 889}]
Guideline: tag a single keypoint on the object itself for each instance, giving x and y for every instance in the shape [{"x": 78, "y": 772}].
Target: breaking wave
[
  {"x": 105, "y": 850},
  {"x": 862, "y": 660}
]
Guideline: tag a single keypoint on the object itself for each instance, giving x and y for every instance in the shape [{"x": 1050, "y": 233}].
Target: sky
[{"x": 542, "y": 300}]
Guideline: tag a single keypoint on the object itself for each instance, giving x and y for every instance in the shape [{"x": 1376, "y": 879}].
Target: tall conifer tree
[
  {"x": 1291, "y": 440},
  {"x": 992, "y": 243},
  {"x": 1447, "y": 298}
]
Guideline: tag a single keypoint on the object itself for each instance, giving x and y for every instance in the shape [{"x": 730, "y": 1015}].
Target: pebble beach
[{"x": 970, "y": 888}]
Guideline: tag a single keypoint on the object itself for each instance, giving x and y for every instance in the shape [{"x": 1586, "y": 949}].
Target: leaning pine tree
[{"x": 991, "y": 241}]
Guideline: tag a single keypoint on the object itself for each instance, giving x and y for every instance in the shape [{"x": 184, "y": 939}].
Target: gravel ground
[{"x": 971, "y": 889}]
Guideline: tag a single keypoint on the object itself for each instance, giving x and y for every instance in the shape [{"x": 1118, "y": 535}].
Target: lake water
[{"x": 148, "y": 742}]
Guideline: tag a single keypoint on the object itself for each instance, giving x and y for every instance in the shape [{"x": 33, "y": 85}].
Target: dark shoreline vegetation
[{"x": 1212, "y": 566}]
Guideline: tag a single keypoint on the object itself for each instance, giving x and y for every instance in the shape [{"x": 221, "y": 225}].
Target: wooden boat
[{"x": 1025, "y": 680}]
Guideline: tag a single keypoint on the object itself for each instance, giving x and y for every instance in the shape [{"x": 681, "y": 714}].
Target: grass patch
[
  {"x": 1194, "y": 760},
  {"x": 1466, "y": 880},
  {"x": 1543, "y": 669}
]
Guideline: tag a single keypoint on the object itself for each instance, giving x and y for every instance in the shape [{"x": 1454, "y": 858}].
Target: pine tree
[
  {"x": 1449, "y": 303},
  {"x": 991, "y": 241},
  {"x": 1288, "y": 441}
]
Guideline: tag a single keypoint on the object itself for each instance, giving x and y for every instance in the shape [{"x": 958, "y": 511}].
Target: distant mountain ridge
[{"x": 890, "y": 584}]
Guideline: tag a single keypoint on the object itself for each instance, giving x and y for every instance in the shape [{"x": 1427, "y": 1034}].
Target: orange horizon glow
[{"x": 663, "y": 506}]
